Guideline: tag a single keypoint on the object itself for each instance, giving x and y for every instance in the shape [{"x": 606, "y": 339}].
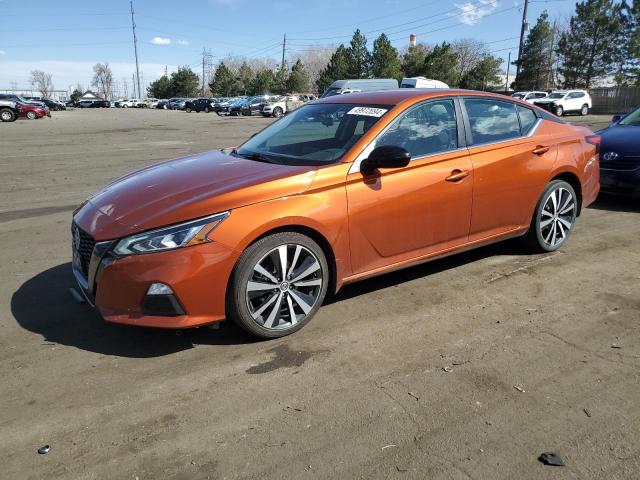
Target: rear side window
[
  {"x": 424, "y": 130},
  {"x": 541, "y": 95},
  {"x": 528, "y": 119},
  {"x": 492, "y": 120}
]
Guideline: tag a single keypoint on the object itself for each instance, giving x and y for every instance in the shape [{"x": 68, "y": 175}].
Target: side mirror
[
  {"x": 386, "y": 156},
  {"x": 616, "y": 118}
]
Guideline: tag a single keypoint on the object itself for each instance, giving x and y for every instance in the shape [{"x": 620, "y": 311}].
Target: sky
[{"x": 67, "y": 37}]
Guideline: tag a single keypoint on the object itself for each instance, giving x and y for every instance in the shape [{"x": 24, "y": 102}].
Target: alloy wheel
[
  {"x": 6, "y": 116},
  {"x": 284, "y": 287},
  {"x": 557, "y": 217}
]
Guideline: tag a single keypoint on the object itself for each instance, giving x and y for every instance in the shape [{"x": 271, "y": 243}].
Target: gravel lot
[{"x": 409, "y": 375}]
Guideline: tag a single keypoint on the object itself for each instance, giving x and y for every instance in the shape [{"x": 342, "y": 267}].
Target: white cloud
[
  {"x": 3, "y": 52},
  {"x": 471, "y": 14},
  {"x": 183, "y": 42},
  {"x": 161, "y": 41}
]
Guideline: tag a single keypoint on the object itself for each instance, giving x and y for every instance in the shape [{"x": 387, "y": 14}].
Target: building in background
[{"x": 57, "y": 95}]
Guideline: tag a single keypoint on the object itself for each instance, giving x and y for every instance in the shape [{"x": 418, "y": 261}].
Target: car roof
[{"x": 399, "y": 95}]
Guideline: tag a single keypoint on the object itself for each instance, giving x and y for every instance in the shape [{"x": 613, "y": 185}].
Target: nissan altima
[{"x": 342, "y": 189}]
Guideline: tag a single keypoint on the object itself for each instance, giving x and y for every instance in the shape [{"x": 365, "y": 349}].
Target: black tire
[
  {"x": 7, "y": 115},
  {"x": 537, "y": 236},
  {"x": 559, "y": 111},
  {"x": 31, "y": 115},
  {"x": 125, "y": 106},
  {"x": 206, "y": 110},
  {"x": 584, "y": 110},
  {"x": 277, "y": 112},
  {"x": 188, "y": 109},
  {"x": 238, "y": 299}
]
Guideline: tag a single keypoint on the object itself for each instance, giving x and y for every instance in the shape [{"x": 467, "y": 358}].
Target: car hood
[
  {"x": 184, "y": 189},
  {"x": 621, "y": 139}
]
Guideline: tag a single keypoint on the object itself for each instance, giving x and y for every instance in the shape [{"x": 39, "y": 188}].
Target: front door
[{"x": 397, "y": 215}]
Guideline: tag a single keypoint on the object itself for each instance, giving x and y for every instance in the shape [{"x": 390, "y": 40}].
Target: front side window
[
  {"x": 314, "y": 134},
  {"x": 426, "y": 129},
  {"x": 492, "y": 120}
]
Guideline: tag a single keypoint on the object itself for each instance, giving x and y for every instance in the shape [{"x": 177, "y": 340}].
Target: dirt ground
[{"x": 463, "y": 368}]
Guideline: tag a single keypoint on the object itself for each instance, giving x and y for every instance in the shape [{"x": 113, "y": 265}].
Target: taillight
[{"x": 594, "y": 140}]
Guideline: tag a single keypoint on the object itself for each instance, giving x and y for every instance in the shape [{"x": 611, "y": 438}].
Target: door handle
[
  {"x": 540, "y": 150},
  {"x": 457, "y": 175}
]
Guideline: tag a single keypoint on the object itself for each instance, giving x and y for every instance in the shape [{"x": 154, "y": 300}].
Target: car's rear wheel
[
  {"x": 188, "y": 109},
  {"x": 206, "y": 110},
  {"x": 554, "y": 217},
  {"x": 31, "y": 115},
  {"x": 277, "y": 112},
  {"x": 584, "y": 110},
  {"x": 278, "y": 285},
  {"x": 7, "y": 115},
  {"x": 559, "y": 111}
]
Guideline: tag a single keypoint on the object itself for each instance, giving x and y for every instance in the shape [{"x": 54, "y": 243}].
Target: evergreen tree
[
  {"x": 280, "y": 80},
  {"x": 588, "y": 48},
  {"x": 484, "y": 75},
  {"x": 262, "y": 82},
  {"x": 245, "y": 75},
  {"x": 384, "y": 59},
  {"x": 336, "y": 69},
  {"x": 413, "y": 60},
  {"x": 75, "y": 95},
  {"x": 536, "y": 61},
  {"x": 161, "y": 88},
  {"x": 184, "y": 83},
  {"x": 298, "y": 81},
  {"x": 359, "y": 58},
  {"x": 223, "y": 83},
  {"x": 440, "y": 64}
]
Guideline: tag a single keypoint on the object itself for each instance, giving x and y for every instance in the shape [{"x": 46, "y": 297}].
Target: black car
[
  {"x": 200, "y": 105},
  {"x": 162, "y": 104},
  {"x": 620, "y": 155},
  {"x": 250, "y": 106},
  {"x": 54, "y": 106}
]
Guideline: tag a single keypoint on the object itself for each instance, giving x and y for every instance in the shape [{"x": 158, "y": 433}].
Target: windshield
[
  {"x": 557, "y": 95},
  {"x": 331, "y": 92},
  {"x": 314, "y": 134},
  {"x": 633, "y": 119}
]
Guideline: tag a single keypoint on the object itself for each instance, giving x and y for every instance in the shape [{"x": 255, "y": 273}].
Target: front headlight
[{"x": 169, "y": 238}]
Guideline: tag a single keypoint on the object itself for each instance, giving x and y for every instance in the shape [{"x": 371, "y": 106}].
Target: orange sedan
[{"x": 341, "y": 189}]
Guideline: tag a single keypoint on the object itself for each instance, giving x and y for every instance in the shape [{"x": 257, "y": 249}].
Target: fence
[{"x": 614, "y": 99}]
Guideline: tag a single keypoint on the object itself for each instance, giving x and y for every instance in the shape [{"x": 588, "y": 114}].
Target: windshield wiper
[{"x": 252, "y": 156}]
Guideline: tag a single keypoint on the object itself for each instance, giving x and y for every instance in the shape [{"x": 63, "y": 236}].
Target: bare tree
[
  {"x": 103, "y": 80},
  {"x": 314, "y": 59},
  {"x": 469, "y": 51},
  {"x": 42, "y": 82}
]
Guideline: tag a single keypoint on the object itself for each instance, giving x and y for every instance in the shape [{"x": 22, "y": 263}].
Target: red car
[{"x": 33, "y": 111}]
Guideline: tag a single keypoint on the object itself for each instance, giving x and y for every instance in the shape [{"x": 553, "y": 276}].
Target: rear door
[{"x": 511, "y": 156}]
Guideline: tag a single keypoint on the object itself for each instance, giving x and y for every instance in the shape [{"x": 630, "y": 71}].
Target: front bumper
[
  {"x": 198, "y": 276},
  {"x": 620, "y": 182}
]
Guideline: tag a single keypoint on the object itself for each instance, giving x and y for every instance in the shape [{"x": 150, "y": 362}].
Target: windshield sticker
[{"x": 367, "y": 111}]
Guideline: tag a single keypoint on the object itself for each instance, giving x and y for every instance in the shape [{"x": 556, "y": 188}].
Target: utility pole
[
  {"x": 506, "y": 84},
  {"x": 522, "y": 30},
  {"x": 204, "y": 53},
  {"x": 165, "y": 70},
  {"x": 135, "y": 46},
  {"x": 133, "y": 84},
  {"x": 284, "y": 47}
]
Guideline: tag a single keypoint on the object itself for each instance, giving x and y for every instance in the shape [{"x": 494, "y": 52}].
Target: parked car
[
  {"x": 566, "y": 101},
  {"x": 337, "y": 191},
  {"x": 161, "y": 104},
  {"x": 94, "y": 104},
  {"x": 70, "y": 104},
  {"x": 200, "y": 105},
  {"x": 341, "y": 87},
  {"x": 278, "y": 106},
  {"x": 177, "y": 103},
  {"x": 255, "y": 105},
  {"x": 53, "y": 105},
  {"x": 422, "y": 82},
  {"x": 620, "y": 155},
  {"x": 529, "y": 96},
  {"x": 223, "y": 107},
  {"x": 126, "y": 103},
  {"x": 9, "y": 111},
  {"x": 19, "y": 99},
  {"x": 33, "y": 112}
]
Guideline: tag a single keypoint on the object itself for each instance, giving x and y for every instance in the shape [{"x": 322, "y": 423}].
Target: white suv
[
  {"x": 529, "y": 96},
  {"x": 565, "y": 101}
]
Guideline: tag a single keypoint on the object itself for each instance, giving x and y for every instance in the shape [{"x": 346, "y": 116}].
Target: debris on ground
[
  {"x": 519, "y": 388},
  {"x": 615, "y": 345},
  {"x": 44, "y": 449},
  {"x": 447, "y": 369},
  {"x": 587, "y": 412},
  {"x": 552, "y": 459},
  {"x": 414, "y": 395},
  {"x": 391, "y": 445}
]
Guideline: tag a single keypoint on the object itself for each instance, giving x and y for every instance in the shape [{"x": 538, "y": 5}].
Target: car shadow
[
  {"x": 616, "y": 203},
  {"x": 44, "y": 306}
]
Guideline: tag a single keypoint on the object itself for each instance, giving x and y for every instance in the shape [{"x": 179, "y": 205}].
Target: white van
[
  {"x": 341, "y": 87},
  {"x": 421, "y": 82}
]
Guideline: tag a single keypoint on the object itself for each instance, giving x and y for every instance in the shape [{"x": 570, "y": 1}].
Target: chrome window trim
[{"x": 355, "y": 166}]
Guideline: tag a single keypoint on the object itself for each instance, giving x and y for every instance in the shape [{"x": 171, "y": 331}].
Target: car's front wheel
[
  {"x": 31, "y": 115},
  {"x": 559, "y": 111},
  {"x": 278, "y": 285},
  {"x": 7, "y": 115},
  {"x": 554, "y": 217},
  {"x": 277, "y": 112}
]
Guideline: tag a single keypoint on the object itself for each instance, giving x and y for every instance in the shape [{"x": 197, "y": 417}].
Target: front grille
[
  {"x": 626, "y": 163},
  {"x": 85, "y": 250}
]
